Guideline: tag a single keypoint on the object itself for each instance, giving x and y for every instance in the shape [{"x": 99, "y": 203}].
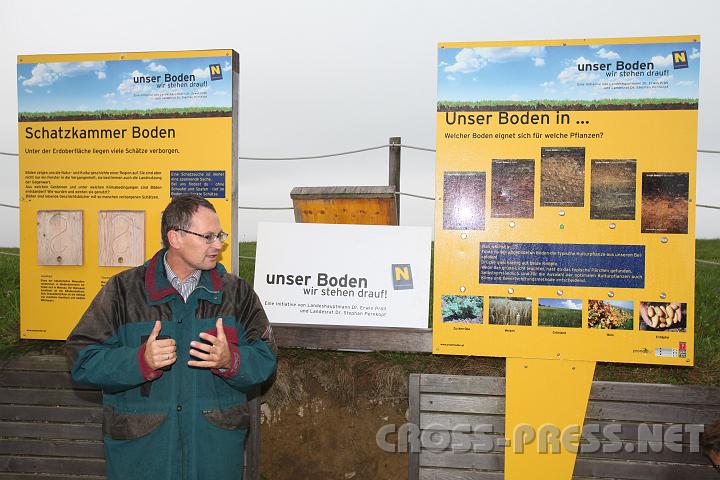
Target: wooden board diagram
[
  {"x": 60, "y": 237},
  {"x": 121, "y": 238}
]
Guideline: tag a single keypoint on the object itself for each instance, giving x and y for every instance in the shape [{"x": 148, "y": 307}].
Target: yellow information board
[
  {"x": 105, "y": 141},
  {"x": 565, "y": 219}
]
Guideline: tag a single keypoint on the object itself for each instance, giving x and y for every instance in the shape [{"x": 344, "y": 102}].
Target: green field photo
[{"x": 556, "y": 312}]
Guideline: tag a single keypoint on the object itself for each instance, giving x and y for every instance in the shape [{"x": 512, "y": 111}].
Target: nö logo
[
  {"x": 215, "y": 72},
  {"x": 679, "y": 59},
  {"x": 402, "y": 276}
]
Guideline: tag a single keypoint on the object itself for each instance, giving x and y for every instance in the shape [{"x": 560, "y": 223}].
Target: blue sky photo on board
[
  {"x": 574, "y": 72},
  {"x": 100, "y": 86}
]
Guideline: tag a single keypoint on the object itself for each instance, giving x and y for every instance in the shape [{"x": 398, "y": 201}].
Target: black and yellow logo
[
  {"x": 402, "y": 276},
  {"x": 215, "y": 72},
  {"x": 679, "y": 59}
]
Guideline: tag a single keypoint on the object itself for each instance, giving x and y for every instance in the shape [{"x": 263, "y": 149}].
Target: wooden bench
[
  {"x": 441, "y": 403},
  {"x": 51, "y": 427}
]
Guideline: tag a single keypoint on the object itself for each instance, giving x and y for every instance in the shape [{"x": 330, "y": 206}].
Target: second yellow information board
[{"x": 565, "y": 222}]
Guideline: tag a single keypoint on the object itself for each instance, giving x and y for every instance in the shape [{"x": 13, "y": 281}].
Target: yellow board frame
[{"x": 53, "y": 297}]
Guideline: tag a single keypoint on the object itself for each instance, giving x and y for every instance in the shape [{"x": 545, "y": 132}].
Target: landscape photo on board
[
  {"x": 611, "y": 314},
  {"x": 512, "y": 188},
  {"x": 612, "y": 189},
  {"x": 464, "y": 201},
  {"x": 665, "y": 202},
  {"x": 462, "y": 309},
  {"x": 560, "y": 312},
  {"x": 663, "y": 316},
  {"x": 510, "y": 311},
  {"x": 562, "y": 176}
]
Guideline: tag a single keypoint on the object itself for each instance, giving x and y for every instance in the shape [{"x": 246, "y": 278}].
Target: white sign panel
[{"x": 354, "y": 275}]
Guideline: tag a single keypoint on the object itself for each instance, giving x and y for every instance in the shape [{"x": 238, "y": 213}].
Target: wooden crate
[
  {"x": 51, "y": 427},
  {"x": 441, "y": 403},
  {"x": 373, "y": 205}
]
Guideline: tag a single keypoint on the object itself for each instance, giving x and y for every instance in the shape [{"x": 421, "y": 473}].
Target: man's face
[{"x": 193, "y": 252}]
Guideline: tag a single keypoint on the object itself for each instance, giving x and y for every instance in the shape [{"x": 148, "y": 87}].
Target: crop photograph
[
  {"x": 512, "y": 189},
  {"x": 464, "y": 201},
  {"x": 562, "y": 177},
  {"x": 665, "y": 202},
  {"x": 665, "y": 316},
  {"x": 557, "y": 312},
  {"x": 462, "y": 309},
  {"x": 612, "y": 189},
  {"x": 510, "y": 311},
  {"x": 611, "y": 314}
]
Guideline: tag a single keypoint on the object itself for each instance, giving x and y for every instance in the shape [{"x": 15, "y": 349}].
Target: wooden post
[{"x": 394, "y": 168}]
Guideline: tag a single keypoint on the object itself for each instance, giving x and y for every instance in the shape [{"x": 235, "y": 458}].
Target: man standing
[{"x": 174, "y": 345}]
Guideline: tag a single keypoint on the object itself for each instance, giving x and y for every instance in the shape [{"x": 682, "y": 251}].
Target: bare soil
[
  {"x": 612, "y": 190},
  {"x": 562, "y": 177},
  {"x": 513, "y": 189}
]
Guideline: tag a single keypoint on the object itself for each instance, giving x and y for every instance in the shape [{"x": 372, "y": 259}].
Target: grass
[
  {"x": 535, "y": 104},
  {"x": 559, "y": 317},
  {"x": 29, "y": 116},
  {"x": 707, "y": 333}
]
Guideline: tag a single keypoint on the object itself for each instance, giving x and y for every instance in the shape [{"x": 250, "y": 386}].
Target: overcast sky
[{"x": 326, "y": 76}]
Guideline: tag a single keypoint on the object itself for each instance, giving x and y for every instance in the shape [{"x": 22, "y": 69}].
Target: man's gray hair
[{"x": 178, "y": 214}]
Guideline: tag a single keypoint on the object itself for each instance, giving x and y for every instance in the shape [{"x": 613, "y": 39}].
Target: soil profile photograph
[
  {"x": 462, "y": 309},
  {"x": 464, "y": 201},
  {"x": 665, "y": 202},
  {"x": 612, "y": 189},
  {"x": 562, "y": 177},
  {"x": 510, "y": 311},
  {"x": 663, "y": 316},
  {"x": 559, "y": 312},
  {"x": 512, "y": 189},
  {"x": 611, "y": 314}
]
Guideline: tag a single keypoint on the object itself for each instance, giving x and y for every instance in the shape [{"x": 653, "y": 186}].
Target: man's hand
[
  {"x": 215, "y": 355},
  {"x": 159, "y": 353}
]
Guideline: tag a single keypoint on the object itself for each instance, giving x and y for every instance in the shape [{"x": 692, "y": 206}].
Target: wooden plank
[
  {"x": 414, "y": 419},
  {"x": 455, "y": 474},
  {"x": 361, "y": 191},
  {"x": 358, "y": 211},
  {"x": 52, "y": 448},
  {"x": 39, "y": 396},
  {"x": 651, "y": 412},
  {"x": 121, "y": 238},
  {"x": 58, "y": 431},
  {"x": 447, "y": 421},
  {"x": 462, "y": 403},
  {"x": 27, "y": 464},
  {"x": 44, "y": 363},
  {"x": 40, "y": 379},
  {"x": 29, "y": 413},
  {"x": 334, "y": 337},
  {"x": 655, "y": 393},
  {"x": 630, "y": 431},
  {"x": 35, "y": 476},
  {"x": 252, "y": 443},
  {"x": 477, "y": 461},
  {"x": 435, "y": 383},
  {"x": 462, "y": 442},
  {"x": 657, "y": 453},
  {"x": 60, "y": 237},
  {"x": 643, "y": 470}
]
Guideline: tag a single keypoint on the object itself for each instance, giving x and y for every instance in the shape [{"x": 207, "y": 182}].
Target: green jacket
[{"x": 191, "y": 422}]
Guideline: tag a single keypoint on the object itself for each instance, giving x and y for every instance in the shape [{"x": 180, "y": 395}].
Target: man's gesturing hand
[
  {"x": 215, "y": 355},
  {"x": 159, "y": 353}
]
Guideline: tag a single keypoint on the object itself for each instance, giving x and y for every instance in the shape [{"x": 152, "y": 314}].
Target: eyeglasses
[{"x": 210, "y": 237}]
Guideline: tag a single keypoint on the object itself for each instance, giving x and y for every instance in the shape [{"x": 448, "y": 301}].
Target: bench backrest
[
  {"x": 450, "y": 405},
  {"x": 51, "y": 426}
]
